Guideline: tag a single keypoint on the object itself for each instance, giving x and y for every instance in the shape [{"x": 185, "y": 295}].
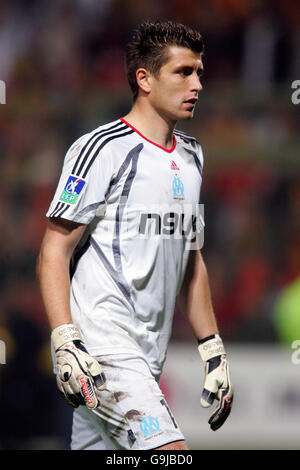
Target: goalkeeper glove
[
  {"x": 217, "y": 384},
  {"x": 78, "y": 374}
]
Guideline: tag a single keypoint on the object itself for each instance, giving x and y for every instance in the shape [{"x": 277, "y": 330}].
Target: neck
[{"x": 151, "y": 124}]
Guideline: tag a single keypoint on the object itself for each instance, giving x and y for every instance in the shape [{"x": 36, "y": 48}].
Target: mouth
[{"x": 191, "y": 101}]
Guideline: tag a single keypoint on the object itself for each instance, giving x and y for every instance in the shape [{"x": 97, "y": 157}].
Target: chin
[
  {"x": 187, "y": 115},
  {"x": 182, "y": 116}
]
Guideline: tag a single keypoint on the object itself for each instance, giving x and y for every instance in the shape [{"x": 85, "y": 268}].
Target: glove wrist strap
[
  {"x": 211, "y": 348},
  {"x": 65, "y": 333}
]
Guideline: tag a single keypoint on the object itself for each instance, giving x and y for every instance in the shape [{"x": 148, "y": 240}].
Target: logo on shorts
[
  {"x": 149, "y": 426},
  {"x": 72, "y": 189}
]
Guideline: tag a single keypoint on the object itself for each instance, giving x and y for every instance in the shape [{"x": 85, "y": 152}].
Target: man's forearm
[
  {"x": 60, "y": 240},
  {"x": 195, "y": 299},
  {"x": 53, "y": 274}
]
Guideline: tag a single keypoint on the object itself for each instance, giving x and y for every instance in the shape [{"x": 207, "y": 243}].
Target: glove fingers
[
  {"x": 90, "y": 367},
  {"x": 211, "y": 386},
  {"x": 93, "y": 366},
  {"x": 100, "y": 381},
  {"x": 82, "y": 385},
  {"x": 95, "y": 371},
  {"x": 66, "y": 392},
  {"x": 76, "y": 398},
  {"x": 222, "y": 411},
  {"x": 207, "y": 398},
  {"x": 75, "y": 382}
]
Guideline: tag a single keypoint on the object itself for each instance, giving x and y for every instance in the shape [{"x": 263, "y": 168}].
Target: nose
[{"x": 196, "y": 83}]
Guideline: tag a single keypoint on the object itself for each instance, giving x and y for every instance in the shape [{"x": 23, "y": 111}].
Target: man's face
[{"x": 175, "y": 90}]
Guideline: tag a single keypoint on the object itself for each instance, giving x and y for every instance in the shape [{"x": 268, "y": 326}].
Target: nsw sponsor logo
[{"x": 72, "y": 189}]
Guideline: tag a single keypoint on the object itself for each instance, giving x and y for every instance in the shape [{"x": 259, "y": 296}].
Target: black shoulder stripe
[
  {"x": 90, "y": 150},
  {"x": 57, "y": 208},
  {"x": 179, "y": 132},
  {"x": 63, "y": 210},
  {"x": 95, "y": 137},
  {"x": 196, "y": 159},
  {"x": 115, "y": 136},
  {"x": 185, "y": 135}
]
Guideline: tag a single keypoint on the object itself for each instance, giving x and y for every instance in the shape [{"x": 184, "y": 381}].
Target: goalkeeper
[{"x": 109, "y": 285}]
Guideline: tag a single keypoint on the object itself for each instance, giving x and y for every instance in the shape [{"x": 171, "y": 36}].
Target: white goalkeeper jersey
[{"x": 140, "y": 203}]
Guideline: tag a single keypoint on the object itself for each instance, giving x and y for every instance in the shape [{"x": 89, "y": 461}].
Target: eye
[{"x": 185, "y": 72}]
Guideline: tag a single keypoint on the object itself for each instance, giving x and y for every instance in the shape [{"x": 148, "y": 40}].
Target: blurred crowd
[{"x": 62, "y": 63}]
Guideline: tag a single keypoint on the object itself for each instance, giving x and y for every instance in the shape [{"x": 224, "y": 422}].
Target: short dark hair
[{"x": 148, "y": 47}]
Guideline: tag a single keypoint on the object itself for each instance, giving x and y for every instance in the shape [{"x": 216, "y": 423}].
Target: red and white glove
[
  {"x": 217, "y": 383},
  {"x": 78, "y": 374}
]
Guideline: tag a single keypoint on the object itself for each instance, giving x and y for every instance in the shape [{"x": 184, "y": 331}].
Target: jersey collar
[{"x": 151, "y": 142}]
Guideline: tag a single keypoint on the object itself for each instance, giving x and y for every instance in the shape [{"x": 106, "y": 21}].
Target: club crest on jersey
[
  {"x": 72, "y": 189},
  {"x": 178, "y": 188}
]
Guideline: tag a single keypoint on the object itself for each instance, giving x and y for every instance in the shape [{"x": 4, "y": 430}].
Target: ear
[{"x": 143, "y": 79}]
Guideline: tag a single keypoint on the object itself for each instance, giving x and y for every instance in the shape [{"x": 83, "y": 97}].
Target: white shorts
[{"x": 133, "y": 414}]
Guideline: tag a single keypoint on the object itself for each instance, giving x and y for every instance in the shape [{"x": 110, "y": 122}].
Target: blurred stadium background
[{"x": 62, "y": 63}]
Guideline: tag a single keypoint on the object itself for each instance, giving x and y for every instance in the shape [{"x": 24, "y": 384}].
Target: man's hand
[
  {"x": 78, "y": 373},
  {"x": 217, "y": 384}
]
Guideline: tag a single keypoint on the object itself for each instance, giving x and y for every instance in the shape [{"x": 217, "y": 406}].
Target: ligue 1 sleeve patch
[{"x": 72, "y": 189}]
